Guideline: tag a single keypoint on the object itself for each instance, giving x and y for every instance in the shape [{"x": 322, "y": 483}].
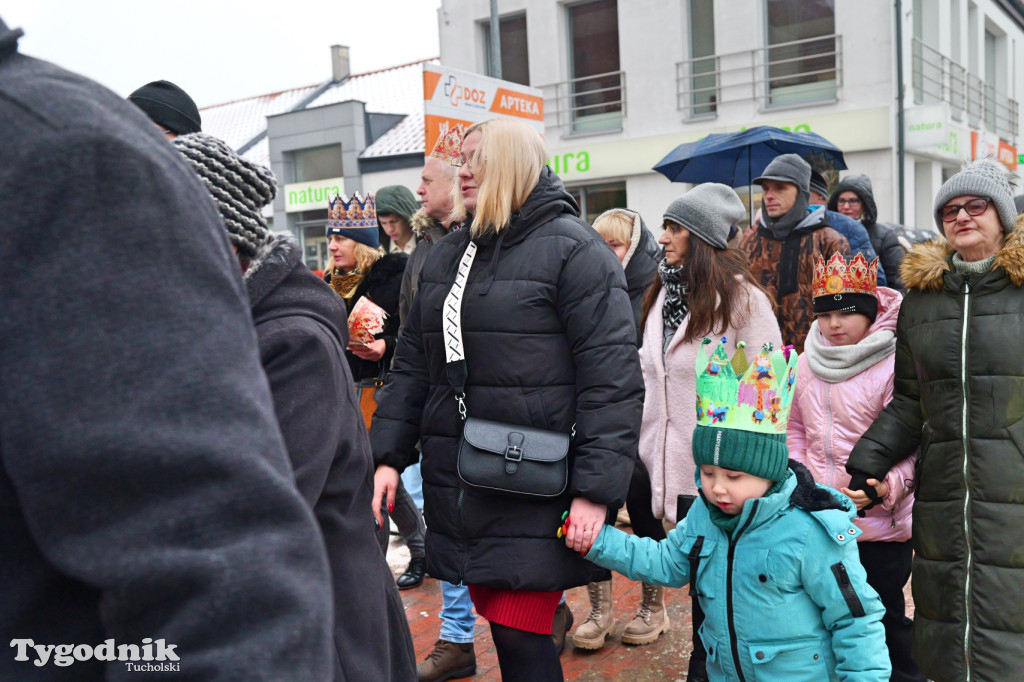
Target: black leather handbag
[{"x": 516, "y": 460}]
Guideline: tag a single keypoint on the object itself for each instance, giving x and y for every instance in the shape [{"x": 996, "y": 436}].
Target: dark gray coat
[
  {"x": 550, "y": 341},
  {"x": 883, "y": 235},
  {"x": 145, "y": 490},
  {"x": 301, "y": 331}
]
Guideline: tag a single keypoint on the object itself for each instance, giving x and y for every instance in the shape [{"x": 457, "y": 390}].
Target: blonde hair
[
  {"x": 615, "y": 225},
  {"x": 366, "y": 256},
  {"x": 507, "y": 165}
]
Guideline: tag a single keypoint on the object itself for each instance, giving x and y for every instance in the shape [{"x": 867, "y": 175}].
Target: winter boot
[
  {"x": 447, "y": 661},
  {"x": 651, "y": 618},
  {"x": 600, "y": 623},
  {"x": 561, "y": 626},
  {"x": 413, "y": 576}
]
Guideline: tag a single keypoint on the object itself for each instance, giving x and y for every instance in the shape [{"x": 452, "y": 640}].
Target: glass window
[
  {"x": 596, "y": 199},
  {"x": 314, "y": 239},
  {"x": 318, "y": 163},
  {"x": 515, "y": 59},
  {"x": 801, "y": 55},
  {"x": 596, "y": 90},
  {"x": 704, "y": 95}
]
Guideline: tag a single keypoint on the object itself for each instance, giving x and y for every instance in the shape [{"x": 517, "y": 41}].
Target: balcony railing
[
  {"x": 785, "y": 74},
  {"x": 936, "y": 78},
  {"x": 592, "y": 104}
]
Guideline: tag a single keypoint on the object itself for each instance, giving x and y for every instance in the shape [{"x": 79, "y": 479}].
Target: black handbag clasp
[{"x": 514, "y": 451}]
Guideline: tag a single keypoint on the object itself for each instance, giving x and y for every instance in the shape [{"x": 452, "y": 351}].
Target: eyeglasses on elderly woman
[{"x": 974, "y": 207}]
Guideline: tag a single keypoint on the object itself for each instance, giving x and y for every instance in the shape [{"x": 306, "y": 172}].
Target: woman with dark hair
[
  {"x": 549, "y": 342},
  {"x": 702, "y": 289}
]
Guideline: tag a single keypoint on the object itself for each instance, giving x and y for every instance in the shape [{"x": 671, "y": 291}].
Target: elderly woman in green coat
[{"x": 959, "y": 397}]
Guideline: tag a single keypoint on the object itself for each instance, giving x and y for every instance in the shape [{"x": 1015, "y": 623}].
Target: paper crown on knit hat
[
  {"x": 743, "y": 409},
  {"x": 847, "y": 287},
  {"x": 355, "y": 218},
  {"x": 448, "y": 146}
]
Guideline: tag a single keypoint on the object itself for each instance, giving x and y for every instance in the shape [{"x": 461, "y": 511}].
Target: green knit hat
[
  {"x": 758, "y": 454},
  {"x": 396, "y": 199}
]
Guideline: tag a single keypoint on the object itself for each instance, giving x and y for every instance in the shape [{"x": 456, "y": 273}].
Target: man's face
[
  {"x": 779, "y": 197},
  {"x": 435, "y": 189},
  {"x": 395, "y": 226}
]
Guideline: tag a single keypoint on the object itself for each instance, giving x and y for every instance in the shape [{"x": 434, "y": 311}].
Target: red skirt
[{"x": 519, "y": 609}]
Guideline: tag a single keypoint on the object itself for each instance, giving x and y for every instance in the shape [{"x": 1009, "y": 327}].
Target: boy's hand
[
  {"x": 585, "y": 522},
  {"x": 860, "y": 498}
]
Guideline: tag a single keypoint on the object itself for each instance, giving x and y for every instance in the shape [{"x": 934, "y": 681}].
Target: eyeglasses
[
  {"x": 461, "y": 161},
  {"x": 974, "y": 207},
  {"x": 848, "y": 202}
]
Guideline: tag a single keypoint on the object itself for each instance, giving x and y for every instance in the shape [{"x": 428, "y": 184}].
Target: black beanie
[
  {"x": 168, "y": 105},
  {"x": 865, "y": 304}
]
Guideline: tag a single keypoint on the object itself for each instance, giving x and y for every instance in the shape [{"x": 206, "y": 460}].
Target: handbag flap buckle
[{"x": 514, "y": 451}]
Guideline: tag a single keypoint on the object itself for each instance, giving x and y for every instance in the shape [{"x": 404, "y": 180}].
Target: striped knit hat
[{"x": 240, "y": 188}]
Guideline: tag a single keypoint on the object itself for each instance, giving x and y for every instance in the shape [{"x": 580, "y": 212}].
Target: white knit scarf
[{"x": 833, "y": 364}]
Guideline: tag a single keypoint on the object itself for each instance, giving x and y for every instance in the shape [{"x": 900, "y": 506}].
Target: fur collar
[
  {"x": 808, "y": 495},
  {"x": 923, "y": 268},
  {"x": 419, "y": 222}
]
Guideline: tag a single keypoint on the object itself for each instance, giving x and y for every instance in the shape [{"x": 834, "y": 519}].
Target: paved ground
[{"x": 663, "y": 661}]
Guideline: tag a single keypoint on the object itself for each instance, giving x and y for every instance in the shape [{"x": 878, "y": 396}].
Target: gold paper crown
[
  {"x": 734, "y": 395},
  {"x": 449, "y": 145},
  {"x": 355, "y": 212},
  {"x": 838, "y": 277}
]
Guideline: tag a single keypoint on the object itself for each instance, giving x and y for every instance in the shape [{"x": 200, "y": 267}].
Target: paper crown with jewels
[
  {"x": 355, "y": 218},
  {"x": 449, "y": 145},
  {"x": 837, "y": 277},
  {"x": 733, "y": 393}
]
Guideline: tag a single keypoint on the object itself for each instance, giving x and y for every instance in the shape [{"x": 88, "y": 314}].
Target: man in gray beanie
[
  {"x": 783, "y": 248},
  {"x": 302, "y": 332}
]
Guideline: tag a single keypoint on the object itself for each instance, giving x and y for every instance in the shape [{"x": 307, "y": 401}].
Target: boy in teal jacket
[{"x": 772, "y": 555}]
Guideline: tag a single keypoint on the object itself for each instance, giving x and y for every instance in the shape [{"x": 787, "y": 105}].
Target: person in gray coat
[
  {"x": 854, "y": 198},
  {"x": 146, "y": 499}
]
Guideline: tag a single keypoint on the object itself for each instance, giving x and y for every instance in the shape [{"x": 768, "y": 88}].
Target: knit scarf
[
  {"x": 833, "y": 364},
  {"x": 346, "y": 285},
  {"x": 675, "y": 307},
  {"x": 972, "y": 267}
]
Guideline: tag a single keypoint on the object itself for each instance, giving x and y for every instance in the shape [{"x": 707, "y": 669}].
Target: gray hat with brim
[
  {"x": 708, "y": 211},
  {"x": 981, "y": 178},
  {"x": 787, "y": 168}
]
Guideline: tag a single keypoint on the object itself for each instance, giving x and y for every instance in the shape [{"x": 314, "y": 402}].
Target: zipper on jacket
[
  {"x": 846, "y": 589},
  {"x": 965, "y": 289},
  {"x": 828, "y": 437},
  {"x": 734, "y": 645}
]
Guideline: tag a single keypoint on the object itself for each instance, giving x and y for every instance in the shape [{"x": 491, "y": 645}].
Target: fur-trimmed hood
[
  {"x": 425, "y": 227},
  {"x": 925, "y": 266}
]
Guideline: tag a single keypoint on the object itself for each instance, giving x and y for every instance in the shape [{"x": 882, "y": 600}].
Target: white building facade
[{"x": 626, "y": 81}]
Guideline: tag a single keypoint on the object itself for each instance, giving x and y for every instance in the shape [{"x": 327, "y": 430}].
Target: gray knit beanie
[
  {"x": 240, "y": 188},
  {"x": 707, "y": 211},
  {"x": 818, "y": 184},
  {"x": 981, "y": 178},
  {"x": 788, "y": 168}
]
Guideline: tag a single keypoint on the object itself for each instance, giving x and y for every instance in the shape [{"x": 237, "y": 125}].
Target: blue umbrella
[{"x": 735, "y": 159}]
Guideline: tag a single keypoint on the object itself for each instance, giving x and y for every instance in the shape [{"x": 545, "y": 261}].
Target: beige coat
[{"x": 669, "y": 406}]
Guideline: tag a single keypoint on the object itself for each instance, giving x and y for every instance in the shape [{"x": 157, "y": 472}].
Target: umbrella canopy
[{"x": 735, "y": 159}]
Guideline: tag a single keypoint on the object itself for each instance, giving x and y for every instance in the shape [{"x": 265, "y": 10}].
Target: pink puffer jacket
[{"x": 827, "y": 419}]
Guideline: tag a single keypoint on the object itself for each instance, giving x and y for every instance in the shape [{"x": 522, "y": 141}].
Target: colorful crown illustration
[
  {"x": 352, "y": 213},
  {"x": 838, "y": 277},
  {"x": 449, "y": 145},
  {"x": 734, "y": 395}
]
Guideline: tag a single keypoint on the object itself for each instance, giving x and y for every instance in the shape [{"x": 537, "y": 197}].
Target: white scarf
[{"x": 833, "y": 364}]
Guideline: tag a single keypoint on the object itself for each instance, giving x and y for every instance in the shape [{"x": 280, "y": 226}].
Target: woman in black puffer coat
[
  {"x": 959, "y": 396},
  {"x": 550, "y": 342}
]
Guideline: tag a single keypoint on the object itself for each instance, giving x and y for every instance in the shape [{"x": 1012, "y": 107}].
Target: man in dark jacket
[
  {"x": 854, "y": 198},
  {"x": 145, "y": 491},
  {"x": 783, "y": 248},
  {"x": 301, "y": 332}
]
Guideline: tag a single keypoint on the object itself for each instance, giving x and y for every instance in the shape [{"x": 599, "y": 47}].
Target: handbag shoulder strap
[{"x": 454, "y": 352}]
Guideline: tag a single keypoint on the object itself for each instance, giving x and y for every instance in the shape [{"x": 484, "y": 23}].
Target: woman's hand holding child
[
  {"x": 585, "y": 521},
  {"x": 861, "y": 499}
]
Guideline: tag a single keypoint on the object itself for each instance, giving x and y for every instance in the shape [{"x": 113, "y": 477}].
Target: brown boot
[
  {"x": 600, "y": 623},
  {"x": 560, "y": 627},
  {"x": 651, "y": 618},
  {"x": 448, "y": 661}
]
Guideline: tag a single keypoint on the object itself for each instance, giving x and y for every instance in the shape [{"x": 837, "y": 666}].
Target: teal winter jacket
[{"x": 785, "y": 599}]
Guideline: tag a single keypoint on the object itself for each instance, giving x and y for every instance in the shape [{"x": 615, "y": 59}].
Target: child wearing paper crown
[
  {"x": 846, "y": 378},
  {"x": 771, "y": 556}
]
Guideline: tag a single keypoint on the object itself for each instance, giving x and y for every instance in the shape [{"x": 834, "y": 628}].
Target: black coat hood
[{"x": 861, "y": 185}]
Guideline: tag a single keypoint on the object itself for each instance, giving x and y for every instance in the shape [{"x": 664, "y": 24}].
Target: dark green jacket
[{"x": 959, "y": 395}]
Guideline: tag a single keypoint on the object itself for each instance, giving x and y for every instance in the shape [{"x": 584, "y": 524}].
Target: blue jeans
[
  {"x": 457, "y": 619},
  {"x": 413, "y": 482}
]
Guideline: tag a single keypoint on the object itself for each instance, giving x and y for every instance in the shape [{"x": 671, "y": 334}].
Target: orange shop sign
[
  {"x": 989, "y": 145},
  {"x": 454, "y": 97}
]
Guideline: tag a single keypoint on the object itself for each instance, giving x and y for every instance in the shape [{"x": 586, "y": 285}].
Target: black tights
[{"x": 525, "y": 656}]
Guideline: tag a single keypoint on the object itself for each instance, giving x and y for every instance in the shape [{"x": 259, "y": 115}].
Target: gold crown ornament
[
  {"x": 354, "y": 212},
  {"x": 838, "y": 277}
]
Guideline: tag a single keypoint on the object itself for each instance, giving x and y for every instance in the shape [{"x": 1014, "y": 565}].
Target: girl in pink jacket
[{"x": 845, "y": 378}]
